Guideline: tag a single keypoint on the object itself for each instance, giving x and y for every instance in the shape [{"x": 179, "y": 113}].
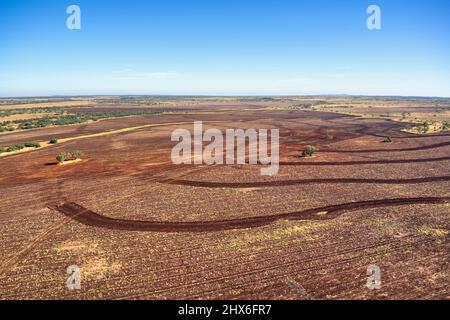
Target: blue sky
[{"x": 225, "y": 47}]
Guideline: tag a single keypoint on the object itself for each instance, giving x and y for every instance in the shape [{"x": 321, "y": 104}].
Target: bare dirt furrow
[
  {"x": 282, "y": 183},
  {"x": 90, "y": 218},
  {"x": 352, "y": 163},
  {"x": 428, "y": 147}
]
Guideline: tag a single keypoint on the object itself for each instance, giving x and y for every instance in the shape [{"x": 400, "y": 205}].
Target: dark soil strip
[
  {"x": 350, "y": 163},
  {"x": 90, "y": 218},
  {"x": 410, "y": 135},
  {"x": 431, "y": 146},
  {"x": 237, "y": 185}
]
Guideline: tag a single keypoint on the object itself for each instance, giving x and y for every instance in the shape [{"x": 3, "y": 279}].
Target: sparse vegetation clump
[
  {"x": 75, "y": 154},
  {"x": 41, "y": 110},
  {"x": 20, "y": 146},
  {"x": 429, "y": 126},
  {"x": 425, "y": 127},
  {"x": 15, "y": 147},
  {"x": 53, "y": 141},
  {"x": 6, "y": 127},
  {"x": 388, "y": 139},
  {"x": 309, "y": 152},
  {"x": 32, "y": 145},
  {"x": 76, "y": 118},
  {"x": 302, "y": 106},
  {"x": 68, "y": 156},
  {"x": 61, "y": 157},
  {"x": 329, "y": 136}
]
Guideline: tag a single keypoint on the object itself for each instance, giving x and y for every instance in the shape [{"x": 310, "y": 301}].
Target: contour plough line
[
  {"x": 350, "y": 163},
  {"x": 90, "y": 218},
  {"x": 282, "y": 183},
  {"x": 431, "y": 146}
]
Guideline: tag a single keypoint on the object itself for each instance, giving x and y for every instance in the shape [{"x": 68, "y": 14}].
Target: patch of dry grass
[
  {"x": 25, "y": 116},
  {"x": 434, "y": 232},
  {"x": 99, "y": 268},
  {"x": 77, "y": 247},
  {"x": 281, "y": 231}
]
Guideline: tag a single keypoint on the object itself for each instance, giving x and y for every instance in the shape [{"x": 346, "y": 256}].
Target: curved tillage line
[
  {"x": 350, "y": 163},
  {"x": 411, "y": 135},
  {"x": 283, "y": 183},
  {"x": 90, "y": 218},
  {"x": 431, "y": 146}
]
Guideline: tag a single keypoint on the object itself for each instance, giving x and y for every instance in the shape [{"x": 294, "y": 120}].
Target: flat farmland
[{"x": 141, "y": 227}]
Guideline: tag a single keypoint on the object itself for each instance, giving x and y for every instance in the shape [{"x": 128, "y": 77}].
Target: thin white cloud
[
  {"x": 129, "y": 74},
  {"x": 163, "y": 75},
  {"x": 296, "y": 79}
]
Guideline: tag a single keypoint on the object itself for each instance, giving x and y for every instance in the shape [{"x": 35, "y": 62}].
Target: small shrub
[
  {"x": 15, "y": 147},
  {"x": 309, "y": 152},
  {"x": 61, "y": 157},
  {"x": 53, "y": 141},
  {"x": 404, "y": 115},
  {"x": 388, "y": 139},
  {"x": 68, "y": 156},
  {"x": 32, "y": 145},
  {"x": 2, "y": 150},
  {"x": 445, "y": 125},
  {"x": 328, "y": 136},
  {"x": 76, "y": 154}
]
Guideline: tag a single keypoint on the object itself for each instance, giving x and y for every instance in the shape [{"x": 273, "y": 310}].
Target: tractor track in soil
[
  {"x": 428, "y": 147},
  {"x": 359, "y": 162},
  {"x": 87, "y": 217},
  {"x": 283, "y": 183}
]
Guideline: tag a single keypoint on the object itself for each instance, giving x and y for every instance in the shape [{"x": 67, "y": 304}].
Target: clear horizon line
[{"x": 223, "y": 95}]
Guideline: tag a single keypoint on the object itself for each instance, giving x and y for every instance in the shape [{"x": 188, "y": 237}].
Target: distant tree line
[
  {"x": 19, "y": 146},
  {"x": 67, "y": 119},
  {"x": 7, "y": 113}
]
